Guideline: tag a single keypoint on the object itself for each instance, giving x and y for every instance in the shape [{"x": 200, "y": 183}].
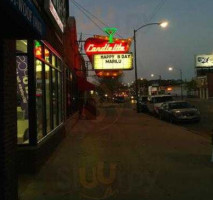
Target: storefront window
[
  {"x": 47, "y": 88},
  {"x": 22, "y": 99},
  {"x": 54, "y": 97},
  {"x": 47, "y": 55},
  {"x": 53, "y": 61},
  {"x": 39, "y": 102},
  {"x": 59, "y": 97},
  {"x": 21, "y": 46}
]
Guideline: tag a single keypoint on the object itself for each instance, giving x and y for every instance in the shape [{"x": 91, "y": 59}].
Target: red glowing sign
[
  {"x": 38, "y": 52},
  {"x": 101, "y": 45},
  {"x": 109, "y": 74}
]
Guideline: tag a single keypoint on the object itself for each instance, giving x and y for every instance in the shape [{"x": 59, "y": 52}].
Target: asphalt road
[
  {"x": 205, "y": 126},
  {"x": 123, "y": 155}
]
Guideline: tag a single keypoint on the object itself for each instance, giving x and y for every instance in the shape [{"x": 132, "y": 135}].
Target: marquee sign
[
  {"x": 113, "y": 61},
  {"x": 101, "y": 45},
  {"x": 109, "y": 56}
]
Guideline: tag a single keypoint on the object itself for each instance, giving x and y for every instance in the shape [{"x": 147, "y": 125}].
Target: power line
[
  {"x": 85, "y": 11},
  {"x": 155, "y": 11},
  {"x": 86, "y": 15},
  {"x": 90, "y": 13}
]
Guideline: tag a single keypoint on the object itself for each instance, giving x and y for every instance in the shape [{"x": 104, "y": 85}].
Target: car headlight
[{"x": 177, "y": 114}]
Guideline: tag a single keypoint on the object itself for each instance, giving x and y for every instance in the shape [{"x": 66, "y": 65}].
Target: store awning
[{"x": 84, "y": 85}]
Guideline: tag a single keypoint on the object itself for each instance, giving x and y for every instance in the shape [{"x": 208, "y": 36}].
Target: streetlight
[
  {"x": 181, "y": 78},
  {"x": 162, "y": 25}
]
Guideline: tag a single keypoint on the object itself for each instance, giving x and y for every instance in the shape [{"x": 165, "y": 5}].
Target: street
[
  {"x": 205, "y": 127},
  {"x": 124, "y": 155}
]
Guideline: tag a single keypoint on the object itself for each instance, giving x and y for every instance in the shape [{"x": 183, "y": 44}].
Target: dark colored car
[
  {"x": 142, "y": 104},
  {"x": 179, "y": 111}
]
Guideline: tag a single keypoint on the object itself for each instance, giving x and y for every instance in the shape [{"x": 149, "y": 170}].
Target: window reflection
[
  {"x": 39, "y": 103},
  {"x": 54, "y": 97},
  {"x": 47, "y": 55},
  {"x": 21, "y": 46},
  {"x": 47, "y": 89}
]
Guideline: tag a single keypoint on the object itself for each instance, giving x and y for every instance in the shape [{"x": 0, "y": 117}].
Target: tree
[
  {"x": 191, "y": 85},
  {"x": 109, "y": 85}
]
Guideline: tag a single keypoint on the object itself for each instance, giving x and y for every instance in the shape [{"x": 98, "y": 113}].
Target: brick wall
[{"x": 8, "y": 138}]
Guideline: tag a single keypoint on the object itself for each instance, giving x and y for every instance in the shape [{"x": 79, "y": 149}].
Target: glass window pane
[
  {"x": 47, "y": 89},
  {"x": 53, "y": 61},
  {"x": 47, "y": 55},
  {"x": 39, "y": 102},
  {"x": 22, "y": 99},
  {"x": 59, "y": 97},
  {"x": 54, "y": 97},
  {"x": 59, "y": 64},
  {"x": 21, "y": 46}
]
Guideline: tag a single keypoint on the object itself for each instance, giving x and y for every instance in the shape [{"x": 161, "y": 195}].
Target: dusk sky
[{"x": 190, "y": 31}]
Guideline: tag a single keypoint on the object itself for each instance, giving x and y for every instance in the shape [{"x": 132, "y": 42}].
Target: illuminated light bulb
[{"x": 164, "y": 24}]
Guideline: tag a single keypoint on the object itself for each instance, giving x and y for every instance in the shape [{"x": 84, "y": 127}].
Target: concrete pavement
[{"x": 123, "y": 155}]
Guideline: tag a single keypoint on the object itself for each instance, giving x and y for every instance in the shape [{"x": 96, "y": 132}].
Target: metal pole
[
  {"x": 136, "y": 75},
  {"x": 181, "y": 77}
]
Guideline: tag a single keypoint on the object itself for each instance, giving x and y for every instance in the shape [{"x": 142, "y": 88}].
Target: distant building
[{"x": 204, "y": 72}]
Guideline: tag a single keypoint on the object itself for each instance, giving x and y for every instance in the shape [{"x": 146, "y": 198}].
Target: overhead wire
[
  {"x": 85, "y": 11},
  {"x": 86, "y": 15},
  {"x": 91, "y": 14},
  {"x": 158, "y": 7}
]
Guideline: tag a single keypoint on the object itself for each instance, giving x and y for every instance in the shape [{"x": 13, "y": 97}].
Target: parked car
[
  {"x": 142, "y": 104},
  {"x": 155, "y": 101},
  {"x": 179, "y": 111}
]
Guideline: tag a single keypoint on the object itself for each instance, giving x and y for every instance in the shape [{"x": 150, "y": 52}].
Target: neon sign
[
  {"x": 109, "y": 74},
  {"x": 100, "y": 45},
  {"x": 38, "y": 50},
  {"x": 110, "y": 32},
  {"x": 106, "y": 48}
]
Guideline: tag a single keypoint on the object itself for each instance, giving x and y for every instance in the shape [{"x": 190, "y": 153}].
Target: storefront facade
[
  {"x": 205, "y": 86},
  {"x": 204, "y": 71},
  {"x": 32, "y": 89}
]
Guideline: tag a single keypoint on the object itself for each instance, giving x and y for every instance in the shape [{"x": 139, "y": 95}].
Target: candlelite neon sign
[
  {"x": 106, "y": 48},
  {"x": 100, "y": 46}
]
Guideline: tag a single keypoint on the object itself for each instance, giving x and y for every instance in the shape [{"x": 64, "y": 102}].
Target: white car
[{"x": 155, "y": 101}]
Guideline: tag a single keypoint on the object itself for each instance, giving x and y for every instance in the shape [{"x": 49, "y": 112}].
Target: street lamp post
[
  {"x": 163, "y": 25},
  {"x": 181, "y": 79}
]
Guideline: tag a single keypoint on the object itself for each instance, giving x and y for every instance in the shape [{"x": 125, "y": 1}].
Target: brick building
[{"x": 38, "y": 85}]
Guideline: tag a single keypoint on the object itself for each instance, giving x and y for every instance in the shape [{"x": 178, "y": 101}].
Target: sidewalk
[{"x": 135, "y": 157}]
